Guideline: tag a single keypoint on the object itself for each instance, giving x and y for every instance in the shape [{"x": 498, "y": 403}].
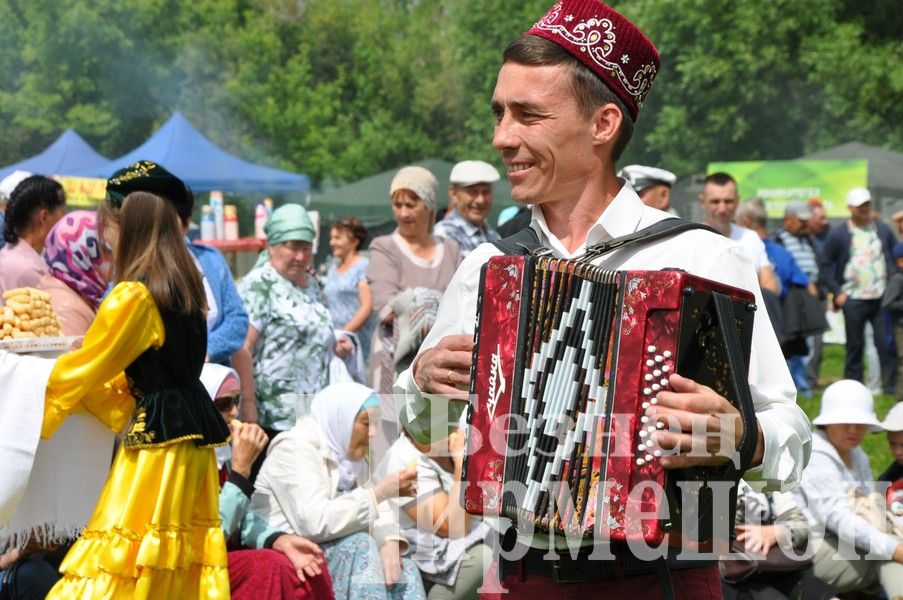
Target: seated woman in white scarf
[{"x": 312, "y": 484}]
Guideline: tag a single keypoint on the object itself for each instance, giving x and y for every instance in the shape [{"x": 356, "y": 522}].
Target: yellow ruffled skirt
[{"x": 155, "y": 532}]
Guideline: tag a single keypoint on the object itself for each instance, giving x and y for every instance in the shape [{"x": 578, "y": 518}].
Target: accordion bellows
[{"x": 568, "y": 357}]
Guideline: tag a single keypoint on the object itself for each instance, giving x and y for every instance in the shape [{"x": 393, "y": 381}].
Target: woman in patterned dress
[{"x": 290, "y": 336}]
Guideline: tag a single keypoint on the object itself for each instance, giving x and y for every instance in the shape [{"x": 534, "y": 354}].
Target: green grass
[{"x": 875, "y": 445}]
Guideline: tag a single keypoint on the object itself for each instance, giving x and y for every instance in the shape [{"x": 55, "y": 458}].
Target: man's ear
[{"x": 607, "y": 124}]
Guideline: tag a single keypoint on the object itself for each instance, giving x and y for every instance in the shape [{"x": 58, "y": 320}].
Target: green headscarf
[{"x": 289, "y": 223}]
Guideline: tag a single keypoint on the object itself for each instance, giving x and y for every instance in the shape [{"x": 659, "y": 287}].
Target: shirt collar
[
  {"x": 620, "y": 218},
  {"x": 469, "y": 228}
]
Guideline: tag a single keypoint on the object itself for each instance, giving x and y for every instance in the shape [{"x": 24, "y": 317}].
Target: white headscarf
[
  {"x": 213, "y": 376},
  {"x": 334, "y": 409}
]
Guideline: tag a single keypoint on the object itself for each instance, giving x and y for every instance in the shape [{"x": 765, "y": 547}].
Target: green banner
[{"x": 778, "y": 182}]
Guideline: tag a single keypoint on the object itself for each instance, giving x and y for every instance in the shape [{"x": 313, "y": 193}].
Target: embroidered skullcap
[
  {"x": 607, "y": 43},
  {"x": 147, "y": 176},
  {"x": 418, "y": 180},
  {"x": 289, "y": 223}
]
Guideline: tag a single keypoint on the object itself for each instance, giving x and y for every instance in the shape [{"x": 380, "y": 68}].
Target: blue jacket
[
  {"x": 785, "y": 266},
  {"x": 231, "y": 326},
  {"x": 837, "y": 254}
]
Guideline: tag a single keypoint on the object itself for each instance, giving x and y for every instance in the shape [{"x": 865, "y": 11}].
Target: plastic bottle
[
  {"x": 230, "y": 222},
  {"x": 261, "y": 214},
  {"x": 268, "y": 202},
  {"x": 216, "y": 206},
  {"x": 208, "y": 230}
]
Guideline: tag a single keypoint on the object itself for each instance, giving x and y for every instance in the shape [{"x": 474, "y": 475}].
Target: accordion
[{"x": 567, "y": 358}]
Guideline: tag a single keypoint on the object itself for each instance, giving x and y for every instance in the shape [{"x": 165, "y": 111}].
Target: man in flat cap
[
  {"x": 470, "y": 195},
  {"x": 565, "y": 102},
  {"x": 651, "y": 183}
]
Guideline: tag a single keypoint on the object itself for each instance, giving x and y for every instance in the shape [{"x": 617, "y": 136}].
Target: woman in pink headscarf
[{"x": 78, "y": 270}]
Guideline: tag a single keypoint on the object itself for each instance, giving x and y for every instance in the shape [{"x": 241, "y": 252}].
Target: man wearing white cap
[
  {"x": 7, "y": 185},
  {"x": 858, "y": 258},
  {"x": 470, "y": 193},
  {"x": 651, "y": 183}
]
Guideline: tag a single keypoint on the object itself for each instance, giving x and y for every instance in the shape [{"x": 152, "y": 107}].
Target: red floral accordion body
[{"x": 567, "y": 358}]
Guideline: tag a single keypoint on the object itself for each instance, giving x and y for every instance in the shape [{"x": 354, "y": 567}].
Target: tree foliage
[{"x": 340, "y": 89}]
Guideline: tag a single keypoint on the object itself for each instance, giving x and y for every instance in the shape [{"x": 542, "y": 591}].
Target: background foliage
[{"x": 340, "y": 89}]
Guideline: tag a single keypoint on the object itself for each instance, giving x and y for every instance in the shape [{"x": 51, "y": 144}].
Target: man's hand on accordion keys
[
  {"x": 445, "y": 368},
  {"x": 696, "y": 426}
]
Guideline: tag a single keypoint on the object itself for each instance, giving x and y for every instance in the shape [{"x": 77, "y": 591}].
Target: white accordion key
[
  {"x": 664, "y": 383},
  {"x": 647, "y": 391},
  {"x": 657, "y": 373},
  {"x": 666, "y": 354},
  {"x": 640, "y": 462},
  {"x": 650, "y": 363},
  {"x": 656, "y": 387},
  {"x": 649, "y": 377},
  {"x": 665, "y": 368},
  {"x": 651, "y": 349}
]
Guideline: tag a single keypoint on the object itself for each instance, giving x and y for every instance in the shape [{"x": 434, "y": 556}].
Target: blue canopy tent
[
  {"x": 184, "y": 151},
  {"x": 68, "y": 153}
]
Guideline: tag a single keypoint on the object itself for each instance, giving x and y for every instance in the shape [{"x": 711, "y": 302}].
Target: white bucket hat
[
  {"x": 894, "y": 419},
  {"x": 847, "y": 402}
]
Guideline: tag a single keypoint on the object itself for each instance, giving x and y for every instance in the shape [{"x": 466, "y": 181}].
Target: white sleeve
[
  {"x": 785, "y": 427},
  {"x": 293, "y": 471}
]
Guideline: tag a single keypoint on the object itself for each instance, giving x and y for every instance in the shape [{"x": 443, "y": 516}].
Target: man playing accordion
[{"x": 565, "y": 101}]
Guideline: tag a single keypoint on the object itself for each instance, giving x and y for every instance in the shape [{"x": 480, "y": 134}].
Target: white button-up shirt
[{"x": 785, "y": 428}]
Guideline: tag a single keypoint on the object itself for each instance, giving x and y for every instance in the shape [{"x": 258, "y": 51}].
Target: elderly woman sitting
[
  {"x": 311, "y": 484},
  {"x": 290, "y": 336},
  {"x": 858, "y": 552}
]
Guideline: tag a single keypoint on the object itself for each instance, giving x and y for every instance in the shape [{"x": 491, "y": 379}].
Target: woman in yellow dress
[{"x": 155, "y": 531}]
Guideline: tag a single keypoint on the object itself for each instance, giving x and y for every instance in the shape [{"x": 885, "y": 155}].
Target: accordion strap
[
  {"x": 724, "y": 308},
  {"x": 525, "y": 241}
]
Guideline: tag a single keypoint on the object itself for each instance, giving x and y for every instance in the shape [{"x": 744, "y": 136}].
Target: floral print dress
[{"x": 295, "y": 346}]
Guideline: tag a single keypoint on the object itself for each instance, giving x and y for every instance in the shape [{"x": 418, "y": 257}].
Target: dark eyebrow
[{"x": 522, "y": 106}]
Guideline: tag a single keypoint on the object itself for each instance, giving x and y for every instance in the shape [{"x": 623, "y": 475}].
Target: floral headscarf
[{"x": 73, "y": 253}]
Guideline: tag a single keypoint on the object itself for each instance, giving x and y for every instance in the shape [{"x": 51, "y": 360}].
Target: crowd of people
[{"x": 249, "y": 414}]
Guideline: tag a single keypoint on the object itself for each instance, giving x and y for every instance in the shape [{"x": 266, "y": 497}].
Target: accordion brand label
[
  {"x": 492, "y": 381},
  {"x": 496, "y": 381}
]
